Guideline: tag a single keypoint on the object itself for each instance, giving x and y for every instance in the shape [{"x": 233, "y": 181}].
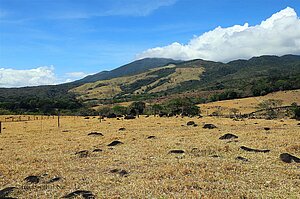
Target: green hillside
[
  {"x": 154, "y": 79},
  {"x": 240, "y": 78}
]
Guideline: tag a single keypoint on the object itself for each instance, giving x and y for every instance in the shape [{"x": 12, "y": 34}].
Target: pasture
[{"x": 64, "y": 159}]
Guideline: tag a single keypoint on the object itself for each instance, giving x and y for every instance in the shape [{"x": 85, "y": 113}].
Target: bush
[
  {"x": 269, "y": 106},
  {"x": 156, "y": 109},
  {"x": 104, "y": 111},
  {"x": 181, "y": 106},
  {"x": 137, "y": 108},
  {"x": 120, "y": 110},
  {"x": 296, "y": 111}
]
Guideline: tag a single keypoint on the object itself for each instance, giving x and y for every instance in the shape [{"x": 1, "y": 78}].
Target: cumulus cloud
[
  {"x": 32, "y": 77},
  {"x": 277, "y": 35}
]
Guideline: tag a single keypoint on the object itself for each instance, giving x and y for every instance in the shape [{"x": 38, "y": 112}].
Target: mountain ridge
[
  {"x": 199, "y": 79},
  {"x": 238, "y": 75}
]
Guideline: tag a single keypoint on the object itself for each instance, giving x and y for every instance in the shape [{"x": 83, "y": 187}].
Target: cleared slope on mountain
[
  {"x": 132, "y": 68},
  {"x": 256, "y": 76},
  {"x": 155, "y": 80}
]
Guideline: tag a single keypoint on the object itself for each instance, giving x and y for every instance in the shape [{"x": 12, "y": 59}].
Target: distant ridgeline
[{"x": 156, "y": 78}]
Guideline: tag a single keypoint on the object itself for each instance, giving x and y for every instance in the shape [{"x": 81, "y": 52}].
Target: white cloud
[
  {"x": 278, "y": 35},
  {"x": 44, "y": 75},
  {"x": 32, "y": 77}
]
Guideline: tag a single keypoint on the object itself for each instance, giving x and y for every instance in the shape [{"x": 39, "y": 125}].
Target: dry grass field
[
  {"x": 248, "y": 105},
  {"x": 208, "y": 168}
]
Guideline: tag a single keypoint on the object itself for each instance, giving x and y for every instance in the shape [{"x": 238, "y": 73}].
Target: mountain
[
  {"x": 132, "y": 68},
  {"x": 153, "y": 78},
  {"x": 256, "y": 76},
  {"x": 61, "y": 90}
]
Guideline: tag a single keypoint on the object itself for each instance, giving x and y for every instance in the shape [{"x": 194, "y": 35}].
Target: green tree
[
  {"x": 182, "y": 106},
  {"x": 156, "y": 109},
  {"x": 120, "y": 110},
  {"x": 104, "y": 111},
  {"x": 137, "y": 108},
  {"x": 296, "y": 111}
]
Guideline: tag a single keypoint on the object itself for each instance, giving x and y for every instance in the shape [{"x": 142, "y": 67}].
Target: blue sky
[{"x": 71, "y": 38}]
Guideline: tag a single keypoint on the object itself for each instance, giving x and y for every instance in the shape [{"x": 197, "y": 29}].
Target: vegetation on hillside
[
  {"x": 144, "y": 81},
  {"x": 179, "y": 106}
]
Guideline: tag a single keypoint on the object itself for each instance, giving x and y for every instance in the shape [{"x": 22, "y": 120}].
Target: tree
[
  {"x": 137, "y": 108},
  {"x": 296, "y": 111},
  {"x": 104, "y": 111},
  {"x": 269, "y": 106},
  {"x": 182, "y": 106},
  {"x": 120, "y": 110},
  {"x": 156, "y": 109}
]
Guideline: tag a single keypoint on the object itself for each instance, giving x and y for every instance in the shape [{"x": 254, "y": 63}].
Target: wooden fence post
[
  {"x": 58, "y": 122},
  {"x": 0, "y": 127}
]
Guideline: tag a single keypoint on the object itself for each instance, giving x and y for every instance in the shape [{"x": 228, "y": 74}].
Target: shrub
[
  {"x": 104, "y": 111},
  {"x": 137, "y": 108},
  {"x": 296, "y": 111},
  {"x": 182, "y": 106},
  {"x": 269, "y": 106},
  {"x": 120, "y": 110}
]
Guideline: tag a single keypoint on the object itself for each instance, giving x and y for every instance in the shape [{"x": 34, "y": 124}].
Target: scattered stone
[
  {"x": 55, "y": 179},
  {"x": 129, "y": 117},
  {"x": 228, "y": 136},
  {"x": 95, "y": 134},
  {"x": 65, "y": 131},
  {"x": 209, "y": 126},
  {"x": 190, "y": 123},
  {"x": 111, "y": 115},
  {"x": 86, "y": 118},
  {"x": 114, "y": 170},
  {"x": 151, "y": 137},
  {"x": 215, "y": 156},
  {"x": 32, "y": 179},
  {"x": 6, "y": 191},
  {"x": 255, "y": 150},
  {"x": 123, "y": 173},
  {"x": 97, "y": 150},
  {"x": 122, "y": 129},
  {"x": 255, "y": 123},
  {"x": 288, "y": 158},
  {"x": 83, "y": 193},
  {"x": 242, "y": 159},
  {"x": 177, "y": 151},
  {"x": 195, "y": 125},
  {"x": 267, "y": 128},
  {"x": 120, "y": 172},
  {"x": 298, "y": 124},
  {"x": 82, "y": 154},
  {"x": 114, "y": 143}
]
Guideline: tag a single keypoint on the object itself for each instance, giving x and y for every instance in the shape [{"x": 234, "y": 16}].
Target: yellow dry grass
[
  {"x": 39, "y": 147},
  {"x": 248, "y": 105},
  {"x": 109, "y": 88},
  {"x": 181, "y": 75}
]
